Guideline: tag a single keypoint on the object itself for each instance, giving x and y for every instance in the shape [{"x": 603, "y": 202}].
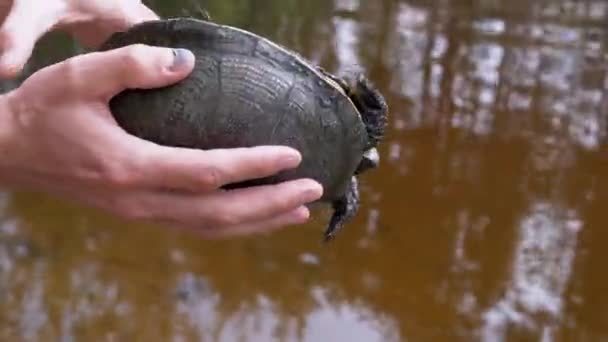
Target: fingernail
[
  {"x": 290, "y": 160},
  {"x": 180, "y": 58},
  {"x": 312, "y": 190},
  {"x": 301, "y": 215}
]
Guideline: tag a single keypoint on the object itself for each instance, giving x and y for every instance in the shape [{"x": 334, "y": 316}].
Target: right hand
[
  {"x": 89, "y": 21},
  {"x": 57, "y": 135}
]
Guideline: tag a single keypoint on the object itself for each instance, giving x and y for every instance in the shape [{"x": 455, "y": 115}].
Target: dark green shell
[{"x": 245, "y": 91}]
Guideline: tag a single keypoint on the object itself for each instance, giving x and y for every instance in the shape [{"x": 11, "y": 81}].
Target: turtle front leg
[{"x": 344, "y": 209}]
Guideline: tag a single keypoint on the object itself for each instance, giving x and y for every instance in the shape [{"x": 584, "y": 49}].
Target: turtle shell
[{"x": 244, "y": 91}]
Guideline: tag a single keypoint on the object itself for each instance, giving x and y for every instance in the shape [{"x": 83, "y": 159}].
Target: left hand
[{"x": 89, "y": 21}]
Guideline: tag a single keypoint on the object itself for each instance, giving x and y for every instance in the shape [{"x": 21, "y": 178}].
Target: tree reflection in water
[{"x": 485, "y": 221}]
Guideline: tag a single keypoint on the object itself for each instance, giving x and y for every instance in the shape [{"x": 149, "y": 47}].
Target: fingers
[
  {"x": 296, "y": 216},
  {"x": 135, "y": 12},
  {"x": 261, "y": 202},
  {"x": 218, "y": 209},
  {"x": 24, "y": 25},
  {"x": 195, "y": 170},
  {"x": 114, "y": 16},
  {"x": 134, "y": 66}
]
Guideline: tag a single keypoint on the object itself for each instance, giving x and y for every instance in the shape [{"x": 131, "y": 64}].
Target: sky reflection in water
[{"x": 484, "y": 222}]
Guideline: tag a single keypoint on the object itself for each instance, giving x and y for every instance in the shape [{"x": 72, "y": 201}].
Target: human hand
[
  {"x": 89, "y": 21},
  {"x": 57, "y": 135}
]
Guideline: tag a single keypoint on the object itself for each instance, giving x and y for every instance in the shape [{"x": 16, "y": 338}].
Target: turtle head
[
  {"x": 374, "y": 112},
  {"x": 371, "y": 105}
]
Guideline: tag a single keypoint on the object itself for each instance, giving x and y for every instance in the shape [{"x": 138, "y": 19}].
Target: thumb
[
  {"x": 107, "y": 73},
  {"x": 24, "y": 25}
]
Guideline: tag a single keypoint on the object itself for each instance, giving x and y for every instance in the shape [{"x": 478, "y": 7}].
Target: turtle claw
[{"x": 344, "y": 209}]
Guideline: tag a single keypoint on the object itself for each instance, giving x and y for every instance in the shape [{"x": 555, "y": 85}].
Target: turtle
[{"x": 246, "y": 90}]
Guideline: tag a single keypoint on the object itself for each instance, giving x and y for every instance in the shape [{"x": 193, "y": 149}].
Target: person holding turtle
[{"x": 57, "y": 134}]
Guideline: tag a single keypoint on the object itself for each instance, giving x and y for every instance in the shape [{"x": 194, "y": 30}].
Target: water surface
[{"x": 484, "y": 222}]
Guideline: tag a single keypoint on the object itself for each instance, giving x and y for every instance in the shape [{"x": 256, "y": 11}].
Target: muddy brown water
[{"x": 485, "y": 221}]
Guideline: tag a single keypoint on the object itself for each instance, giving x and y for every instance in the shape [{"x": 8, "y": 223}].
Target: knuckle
[
  {"x": 119, "y": 176},
  {"x": 70, "y": 73},
  {"x": 134, "y": 56},
  {"x": 211, "y": 177}
]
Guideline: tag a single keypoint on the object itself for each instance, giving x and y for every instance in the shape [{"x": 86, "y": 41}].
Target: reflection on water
[
  {"x": 485, "y": 221},
  {"x": 546, "y": 248},
  {"x": 78, "y": 288},
  {"x": 260, "y": 321}
]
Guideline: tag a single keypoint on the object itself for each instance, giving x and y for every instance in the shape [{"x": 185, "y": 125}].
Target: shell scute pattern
[{"x": 246, "y": 90}]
